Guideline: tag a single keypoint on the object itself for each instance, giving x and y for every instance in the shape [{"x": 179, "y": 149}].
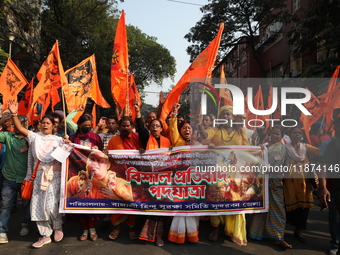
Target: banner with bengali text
[{"x": 187, "y": 181}]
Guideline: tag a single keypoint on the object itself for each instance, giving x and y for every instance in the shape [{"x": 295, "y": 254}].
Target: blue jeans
[
  {"x": 8, "y": 193},
  {"x": 334, "y": 224},
  {"x": 1, "y": 180}
]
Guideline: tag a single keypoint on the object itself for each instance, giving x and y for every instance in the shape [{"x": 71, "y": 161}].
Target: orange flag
[
  {"x": 120, "y": 65},
  {"x": 313, "y": 106},
  {"x": 51, "y": 76},
  {"x": 12, "y": 82},
  {"x": 26, "y": 100},
  {"x": 334, "y": 102},
  {"x": 324, "y": 102},
  {"x": 258, "y": 105},
  {"x": 134, "y": 95},
  {"x": 225, "y": 93},
  {"x": 38, "y": 108},
  {"x": 201, "y": 67},
  {"x": 83, "y": 84},
  {"x": 277, "y": 113}
]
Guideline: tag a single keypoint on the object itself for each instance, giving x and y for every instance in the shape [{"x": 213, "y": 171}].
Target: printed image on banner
[{"x": 185, "y": 181}]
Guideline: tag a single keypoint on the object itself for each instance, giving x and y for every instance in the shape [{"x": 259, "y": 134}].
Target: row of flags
[
  {"x": 78, "y": 84},
  {"x": 81, "y": 82}
]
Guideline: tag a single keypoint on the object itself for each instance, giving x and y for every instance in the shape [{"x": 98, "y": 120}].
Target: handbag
[{"x": 27, "y": 186}]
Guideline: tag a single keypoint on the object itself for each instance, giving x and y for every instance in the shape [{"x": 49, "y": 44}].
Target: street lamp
[{"x": 11, "y": 38}]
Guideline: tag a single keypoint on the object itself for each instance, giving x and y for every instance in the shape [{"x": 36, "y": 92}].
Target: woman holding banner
[
  {"x": 182, "y": 227},
  {"x": 225, "y": 134},
  {"x": 84, "y": 136},
  {"x": 298, "y": 184},
  {"x": 46, "y": 190},
  {"x": 272, "y": 224},
  {"x": 153, "y": 227}
]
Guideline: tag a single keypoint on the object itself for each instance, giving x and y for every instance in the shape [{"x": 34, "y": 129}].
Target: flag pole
[{"x": 64, "y": 110}]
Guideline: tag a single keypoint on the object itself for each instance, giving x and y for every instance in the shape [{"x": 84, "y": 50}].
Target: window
[{"x": 296, "y": 5}]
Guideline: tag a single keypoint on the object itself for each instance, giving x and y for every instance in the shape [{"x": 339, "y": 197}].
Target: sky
[{"x": 169, "y": 21}]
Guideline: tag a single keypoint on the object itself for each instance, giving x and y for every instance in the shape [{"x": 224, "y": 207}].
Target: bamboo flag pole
[{"x": 64, "y": 110}]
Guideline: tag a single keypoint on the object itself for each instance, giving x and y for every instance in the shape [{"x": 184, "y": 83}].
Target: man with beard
[
  {"x": 14, "y": 172},
  {"x": 127, "y": 140}
]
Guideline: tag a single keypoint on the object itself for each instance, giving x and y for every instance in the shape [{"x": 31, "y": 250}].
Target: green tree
[
  {"x": 241, "y": 20},
  {"x": 318, "y": 30},
  {"x": 3, "y": 54},
  {"x": 84, "y": 27}
]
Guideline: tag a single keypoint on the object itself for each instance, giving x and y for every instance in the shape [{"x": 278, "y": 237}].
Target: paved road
[{"x": 317, "y": 234}]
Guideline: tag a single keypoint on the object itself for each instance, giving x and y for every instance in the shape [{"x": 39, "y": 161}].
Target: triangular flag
[
  {"x": 201, "y": 67},
  {"x": 120, "y": 65},
  {"x": 134, "y": 95},
  {"x": 313, "y": 106},
  {"x": 224, "y": 92},
  {"x": 12, "y": 82},
  {"x": 26, "y": 101},
  {"x": 51, "y": 76},
  {"x": 83, "y": 84}
]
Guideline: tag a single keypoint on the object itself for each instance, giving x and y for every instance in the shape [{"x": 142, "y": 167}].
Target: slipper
[
  {"x": 213, "y": 236},
  {"x": 93, "y": 236},
  {"x": 83, "y": 237},
  {"x": 159, "y": 242},
  {"x": 133, "y": 235},
  {"x": 284, "y": 245},
  {"x": 114, "y": 234},
  {"x": 301, "y": 238}
]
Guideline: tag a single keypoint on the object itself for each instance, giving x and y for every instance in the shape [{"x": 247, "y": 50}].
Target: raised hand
[
  {"x": 161, "y": 98},
  {"x": 80, "y": 108},
  {"x": 12, "y": 106},
  {"x": 176, "y": 107}
]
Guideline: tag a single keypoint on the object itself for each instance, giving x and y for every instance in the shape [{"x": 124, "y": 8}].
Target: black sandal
[{"x": 213, "y": 236}]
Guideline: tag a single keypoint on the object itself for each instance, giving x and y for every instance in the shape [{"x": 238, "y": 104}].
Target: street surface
[{"x": 317, "y": 234}]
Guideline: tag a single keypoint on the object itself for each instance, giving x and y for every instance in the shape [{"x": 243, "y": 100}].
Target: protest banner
[{"x": 189, "y": 180}]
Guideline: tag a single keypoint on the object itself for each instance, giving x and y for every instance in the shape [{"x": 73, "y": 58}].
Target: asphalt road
[{"x": 317, "y": 234}]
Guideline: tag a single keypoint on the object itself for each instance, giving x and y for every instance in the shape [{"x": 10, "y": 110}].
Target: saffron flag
[
  {"x": 225, "y": 93},
  {"x": 201, "y": 67},
  {"x": 258, "y": 105},
  {"x": 83, "y": 84},
  {"x": 134, "y": 95},
  {"x": 313, "y": 106},
  {"x": 51, "y": 76},
  {"x": 12, "y": 82},
  {"x": 277, "y": 113},
  {"x": 120, "y": 65},
  {"x": 38, "y": 108},
  {"x": 334, "y": 102},
  {"x": 26, "y": 101},
  {"x": 327, "y": 103}
]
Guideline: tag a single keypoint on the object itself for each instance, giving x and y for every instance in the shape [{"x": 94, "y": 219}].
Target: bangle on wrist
[
  {"x": 174, "y": 113},
  {"x": 14, "y": 114}
]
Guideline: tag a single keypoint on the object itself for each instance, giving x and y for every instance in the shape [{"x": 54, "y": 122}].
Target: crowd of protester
[{"x": 291, "y": 195}]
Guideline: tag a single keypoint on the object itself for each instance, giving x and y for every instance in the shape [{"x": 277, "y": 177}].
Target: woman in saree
[
  {"x": 153, "y": 227},
  {"x": 46, "y": 189},
  {"x": 225, "y": 134},
  {"x": 272, "y": 224},
  {"x": 182, "y": 227},
  {"x": 298, "y": 184}
]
